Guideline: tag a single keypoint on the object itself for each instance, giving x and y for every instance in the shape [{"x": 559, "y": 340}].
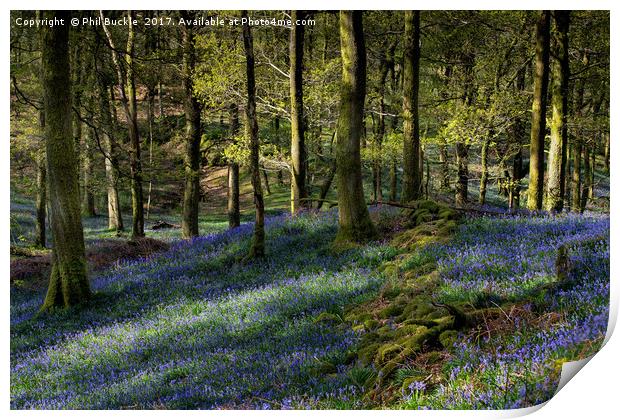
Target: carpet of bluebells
[
  {"x": 509, "y": 259},
  {"x": 199, "y": 327}
]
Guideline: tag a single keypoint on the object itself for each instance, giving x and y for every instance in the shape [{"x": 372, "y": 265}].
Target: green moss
[
  {"x": 371, "y": 324},
  {"x": 392, "y": 310},
  {"x": 428, "y": 205},
  {"x": 447, "y": 338},
  {"x": 366, "y": 354},
  {"x": 387, "y": 352}
]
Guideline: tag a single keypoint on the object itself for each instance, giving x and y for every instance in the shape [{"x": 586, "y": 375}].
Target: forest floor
[{"x": 198, "y": 326}]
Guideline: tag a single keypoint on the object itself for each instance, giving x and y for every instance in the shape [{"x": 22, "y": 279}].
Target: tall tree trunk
[
  {"x": 578, "y": 146},
  {"x": 445, "y": 168},
  {"x": 134, "y": 135},
  {"x": 462, "y": 172},
  {"x": 150, "y": 115},
  {"x": 78, "y": 76},
  {"x": 191, "y": 196},
  {"x": 354, "y": 222},
  {"x": 484, "y": 176},
  {"x": 234, "y": 218},
  {"x": 115, "y": 219},
  {"x": 591, "y": 180},
  {"x": 41, "y": 200},
  {"x": 126, "y": 78},
  {"x": 514, "y": 193},
  {"x": 384, "y": 69},
  {"x": 88, "y": 196},
  {"x": 251, "y": 131},
  {"x": 299, "y": 190},
  {"x": 606, "y": 152},
  {"x": 587, "y": 173},
  {"x": 461, "y": 189},
  {"x": 556, "y": 169},
  {"x": 68, "y": 284},
  {"x": 412, "y": 179},
  {"x": 393, "y": 181},
  {"x": 539, "y": 110},
  {"x": 576, "y": 184}
]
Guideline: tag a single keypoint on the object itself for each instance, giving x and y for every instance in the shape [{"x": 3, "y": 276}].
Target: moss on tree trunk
[
  {"x": 556, "y": 167},
  {"x": 353, "y": 217},
  {"x": 257, "y": 248},
  {"x": 233, "y": 171},
  {"x": 191, "y": 195},
  {"x": 539, "y": 110},
  {"x": 299, "y": 190},
  {"x": 68, "y": 284},
  {"x": 412, "y": 176}
]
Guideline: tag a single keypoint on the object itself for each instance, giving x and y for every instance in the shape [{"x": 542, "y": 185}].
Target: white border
[{"x": 592, "y": 394}]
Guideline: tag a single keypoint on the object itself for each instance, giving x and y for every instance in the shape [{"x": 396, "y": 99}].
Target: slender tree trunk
[
  {"x": 462, "y": 170},
  {"x": 68, "y": 284},
  {"x": 393, "y": 181},
  {"x": 412, "y": 179},
  {"x": 568, "y": 178},
  {"x": 539, "y": 110},
  {"x": 514, "y": 197},
  {"x": 445, "y": 168},
  {"x": 251, "y": 131},
  {"x": 266, "y": 181},
  {"x": 587, "y": 173},
  {"x": 606, "y": 152},
  {"x": 591, "y": 180},
  {"x": 299, "y": 190},
  {"x": 353, "y": 217},
  {"x": 115, "y": 219},
  {"x": 150, "y": 116},
  {"x": 191, "y": 196},
  {"x": 41, "y": 200},
  {"x": 462, "y": 146},
  {"x": 234, "y": 218},
  {"x": 88, "y": 196},
  {"x": 484, "y": 176},
  {"x": 384, "y": 69},
  {"x": 578, "y": 146},
  {"x": 556, "y": 169},
  {"x": 576, "y": 184},
  {"x": 126, "y": 78},
  {"x": 134, "y": 135}
]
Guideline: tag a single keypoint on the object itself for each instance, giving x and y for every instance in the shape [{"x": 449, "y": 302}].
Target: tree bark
[
  {"x": 556, "y": 169},
  {"x": 484, "y": 176},
  {"x": 191, "y": 196},
  {"x": 41, "y": 200},
  {"x": 576, "y": 184},
  {"x": 412, "y": 178},
  {"x": 126, "y": 79},
  {"x": 68, "y": 284},
  {"x": 298, "y": 148},
  {"x": 115, "y": 219},
  {"x": 257, "y": 248},
  {"x": 462, "y": 171},
  {"x": 606, "y": 152},
  {"x": 539, "y": 110},
  {"x": 234, "y": 218},
  {"x": 587, "y": 174},
  {"x": 353, "y": 217},
  {"x": 88, "y": 195}
]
